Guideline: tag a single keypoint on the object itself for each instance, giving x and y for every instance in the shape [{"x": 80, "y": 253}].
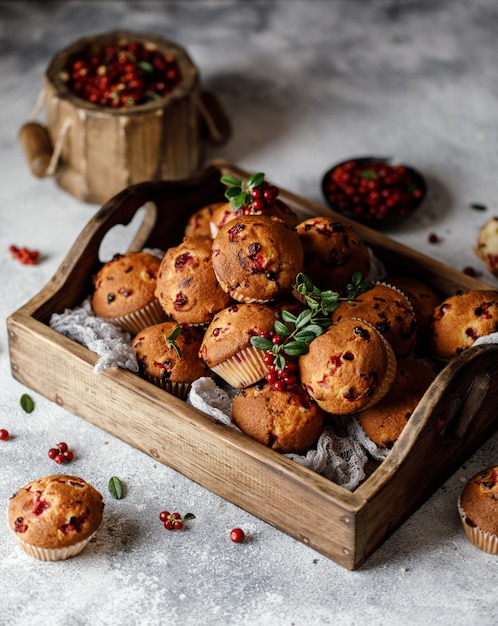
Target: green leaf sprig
[
  {"x": 171, "y": 339},
  {"x": 238, "y": 190},
  {"x": 298, "y": 331},
  {"x": 27, "y": 403}
]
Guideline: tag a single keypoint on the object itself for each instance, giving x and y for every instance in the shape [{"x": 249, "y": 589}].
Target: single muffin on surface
[
  {"x": 199, "y": 222},
  {"x": 186, "y": 285},
  {"x": 124, "y": 291},
  {"x": 54, "y": 518},
  {"x": 226, "y": 346},
  {"x": 389, "y": 311},
  {"x": 487, "y": 245},
  {"x": 256, "y": 258},
  {"x": 384, "y": 422},
  {"x": 224, "y": 213},
  {"x": 167, "y": 355},
  {"x": 349, "y": 368},
  {"x": 333, "y": 252},
  {"x": 478, "y": 509},
  {"x": 286, "y": 421},
  {"x": 462, "y": 318}
]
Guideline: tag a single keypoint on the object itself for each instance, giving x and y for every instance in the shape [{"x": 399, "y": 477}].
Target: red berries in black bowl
[{"x": 373, "y": 190}]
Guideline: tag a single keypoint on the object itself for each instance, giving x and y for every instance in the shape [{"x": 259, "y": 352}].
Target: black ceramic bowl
[{"x": 375, "y": 191}]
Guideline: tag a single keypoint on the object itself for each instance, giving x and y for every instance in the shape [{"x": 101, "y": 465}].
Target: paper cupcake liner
[
  {"x": 52, "y": 554},
  {"x": 147, "y": 316},
  {"x": 243, "y": 369},
  {"x": 238, "y": 296},
  {"x": 487, "y": 542},
  {"x": 180, "y": 390}
]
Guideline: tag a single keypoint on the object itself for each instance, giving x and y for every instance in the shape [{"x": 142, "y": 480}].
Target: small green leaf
[
  {"x": 261, "y": 343},
  {"x": 303, "y": 318},
  {"x": 281, "y": 329},
  {"x": 315, "y": 328},
  {"x": 146, "y": 66},
  {"x": 188, "y": 516},
  {"x": 115, "y": 487},
  {"x": 230, "y": 181},
  {"x": 369, "y": 174},
  {"x": 305, "y": 336},
  {"x": 289, "y": 317},
  {"x": 255, "y": 180},
  {"x": 279, "y": 362},
  {"x": 478, "y": 207},
  {"x": 295, "y": 348},
  {"x": 175, "y": 333},
  {"x": 27, "y": 403}
]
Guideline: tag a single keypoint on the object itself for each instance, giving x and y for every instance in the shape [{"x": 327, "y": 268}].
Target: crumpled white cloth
[{"x": 112, "y": 344}]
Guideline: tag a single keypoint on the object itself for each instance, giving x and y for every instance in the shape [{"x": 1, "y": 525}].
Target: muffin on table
[
  {"x": 333, "y": 252},
  {"x": 124, "y": 291},
  {"x": 349, "y": 368},
  {"x": 478, "y": 509},
  {"x": 389, "y": 311},
  {"x": 54, "y": 518},
  {"x": 256, "y": 258},
  {"x": 487, "y": 245},
  {"x": 226, "y": 346},
  {"x": 461, "y": 319},
  {"x": 186, "y": 285},
  {"x": 284, "y": 420},
  {"x": 168, "y": 356},
  {"x": 384, "y": 422}
]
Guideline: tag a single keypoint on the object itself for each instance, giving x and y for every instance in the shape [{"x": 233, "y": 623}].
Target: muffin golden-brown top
[
  {"x": 186, "y": 285},
  {"x": 389, "y": 311},
  {"x": 125, "y": 284},
  {"x": 421, "y": 296},
  {"x": 224, "y": 213},
  {"x": 198, "y": 224},
  {"x": 232, "y": 328},
  {"x": 163, "y": 356},
  {"x": 333, "y": 252},
  {"x": 286, "y": 421},
  {"x": 256, "y": 258},
  {"x": 56, "y": 511},
  {"x": 348, "y": 368},
  {"x": 461, "y": 319},
  {"x": 479, "y": 500}
]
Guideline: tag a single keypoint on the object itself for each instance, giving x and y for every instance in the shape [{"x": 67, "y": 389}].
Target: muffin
[
  {"x": 478, "y": 509},
  {"x": 487, "y": 245},
  {"x": 286, "y": 421},
  {"x": 384, "y": 422},
  {"x": 167, "y": 355},
  {"x": 226, "y": 346},
  {"x": 349, "y": 368},
  {"x": 198, "y": 224},
  {"x": 186, "y": 285},
  {"x": 224, "y": 212},
  {"x": 333, "y": 252},
  {"x": 422, "y": 298},
  {"x": 54, "y": 518},
  {"x": 389, "y": 311},
  {"x": 256, "y": 258},
  {"x": 460, "y": 319},
  {"x": 124, "y": 291}
]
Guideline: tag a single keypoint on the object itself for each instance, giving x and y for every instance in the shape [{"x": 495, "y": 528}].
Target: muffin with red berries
[
  {"x": 461, "y": 319},
  {"x": 348, "y": 368},
  {"x": 333, "y": 252},
  {"x": 168, "y": 356},
  {"x": 198, "y": 224},
  {"x": 186, "y": 285},
  {"x": 55, "y": 517},
  {"x": 226, "y": 346},
  {"x": 256, "y": 258},
  {"x": 478, "y": 509},
  {"x": 286, "y": 420},
  {"x": 487, "y": 245},
  {"x": 389, "y": 311},
  {"x": 124, "y": 291}
]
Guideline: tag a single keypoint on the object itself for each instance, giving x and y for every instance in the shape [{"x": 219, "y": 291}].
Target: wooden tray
[{"x": 347, "y": 526}]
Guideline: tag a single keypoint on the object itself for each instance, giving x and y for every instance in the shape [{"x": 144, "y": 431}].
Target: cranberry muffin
[
  {"x": 487, "y": 245},
  {"x": 54, "y": 518},
  {"x": 478, "y": 509},
  {"x": 284, "y": 420},
  {"x": 199, "y": 222},
  {"x": 224, "y": 213},
  {"x": 256, "y": 258}
]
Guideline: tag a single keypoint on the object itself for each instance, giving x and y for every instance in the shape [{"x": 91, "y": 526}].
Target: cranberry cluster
[
  {"x": 283, "y": 378},
  {"x": 263, "y": 197},
  {"x": 174, "y": 521},
  {"x": 25, "y": 255},
  {"x": 372, "y": 189},
  {"x": 124, "y": 75},
  {"x": 61, "y": 453}
]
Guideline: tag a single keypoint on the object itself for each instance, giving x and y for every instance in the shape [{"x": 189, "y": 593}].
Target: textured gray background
[{"x": 306, "y": 84}]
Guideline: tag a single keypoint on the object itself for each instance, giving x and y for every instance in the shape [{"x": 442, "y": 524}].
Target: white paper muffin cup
[
  {"x": 52, "y": 554},
  {"x": 243, "y": 369},
  {"x": 180, "y": 390},
  {"x": 147, "y": 316},
  {"x": 485, "y": 541}
]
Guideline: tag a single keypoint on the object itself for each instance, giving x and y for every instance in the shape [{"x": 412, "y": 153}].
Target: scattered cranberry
[
  {"x": 372, "y": 190},
  {"x": 283, "y": 378},
  {"x": 174, "y": 521},
  {"x": 61, "y": 453},
  {"x": 123, "y": 75},
  {"x": 4, "y": 434},
  {"x": 470, "y": 271},
  {"x": 24, "y": 255},
  {"x": 433, "y": 238},
  {"x": 237, "y": 535}
]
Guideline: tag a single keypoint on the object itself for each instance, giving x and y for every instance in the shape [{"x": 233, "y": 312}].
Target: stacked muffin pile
[{"x": 281, "y": 310}]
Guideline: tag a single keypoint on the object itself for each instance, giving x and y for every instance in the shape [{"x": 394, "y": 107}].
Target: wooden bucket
[{"x": 95, "y": 151}]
